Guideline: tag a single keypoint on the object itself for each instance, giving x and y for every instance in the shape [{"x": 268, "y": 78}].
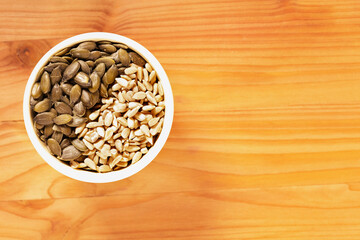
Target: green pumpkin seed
[
  {"x": 71, "y": 71},
  {"x": 56, "y": 93},
  {"x": 56, "y": 128},
  {"x": 104, "y": 42},
  {"x": 81, "y": 53},
  {"x": 58, "y": 59},
  {"x": 48, "y": 130},
  {"x": 39, "y": 126},
  {"x": 95, "y": 98},
  {"x": 36, "y": 91},
  {"x": 66, "y": 87},
  {"x": 124, "y": 57},
  {"x": 70, "y": 153},
  {"x": 43, "y": 106},
  {"x": 108, "y": 61},
  {"x": 87, "y": 45},
  {"x": 103, "y": 91},
  {"x": 79, "y": 109},
  {"x": 43, "y": 138},
  {"x": 62, "y": 119},
  {"x": 63, "y": 51},
  {"x": 62, "y": 108},
  {"x": 57, "y": 136},
  {"x": 90, "y": 63},
  {"x": 45, "y": 84},
  {"x": 79, "y": 145},
  {"x": 100, "y": 69},
  {"x": 95, "y": 81},
  {"x": 86, "y": 98},
  {"x": 135, "y": 58},
  {"x": 84, "y": 67},
  {"x": 55, "y": 75},
  {"x": 110, "y": 75},
  {"x": 45, "y": 118},
  {"x": 76, "y": 121},
  {"x": 107, "y": 48},
  {"x": 52, "y": 66},
  {"x": 75, "y": 94},
  {"x": 64, "y": 143},
  {"x": 54, "y": 146},
  {"x": 94, "y": 55},
  {"x": 82, "y": 79}
]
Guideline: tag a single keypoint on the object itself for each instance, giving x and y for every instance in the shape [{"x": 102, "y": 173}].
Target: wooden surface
[{"x": 265, "y": 142}]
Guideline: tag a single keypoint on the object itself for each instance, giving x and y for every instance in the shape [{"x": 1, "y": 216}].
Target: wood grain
[{"x": 265, "y": 140}]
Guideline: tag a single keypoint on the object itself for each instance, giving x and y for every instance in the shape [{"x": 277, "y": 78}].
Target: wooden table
[{"x": 265, "y": 142}]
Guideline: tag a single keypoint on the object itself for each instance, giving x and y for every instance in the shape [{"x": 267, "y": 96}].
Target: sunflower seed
[
  {"x": 90, "y": 163},
  {"x": 88, "y": 144}
]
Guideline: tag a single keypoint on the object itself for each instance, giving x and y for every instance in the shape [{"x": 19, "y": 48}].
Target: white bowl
[{"x": 87, "y": 176}]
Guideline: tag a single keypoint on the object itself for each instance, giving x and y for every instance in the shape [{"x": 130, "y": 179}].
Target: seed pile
[{"x": 98, "y": 106}]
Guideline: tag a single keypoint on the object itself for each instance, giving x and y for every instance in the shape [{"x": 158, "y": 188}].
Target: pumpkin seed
[
  {"x": 52, "y": 66},
  {"x": 43, "y": 105},
  {"x": 70, "y": 153},
  {"x": 36, "y": 91},
  {"x": 57, "y": 136},
  {"x": 135, "y": 58},
  {"x": 76, "y": 121},
  {"x": 82, "y": 79},
  {"x": 56, "y": 93},
  {"x": 66, "y": 87},
  {"x": 62, "y": 108},
  {"x": 79, "y": 109},
  {"x": 94, "y": 55},
  {"x": 71, "y": 71},
  {"x": 65, "y": 99},
  {"x": 124, "y": 57},
  {"x": 54, "y": 146},
  {"x": 95, "y": 81},
  {"x": 86, "y": 98},
  {"x": 75, "y": 94},
  {"x": 84, "y": 67},
  {"x": 120, "y": 45},
  {"x": 87, "y": 45},
  {"x": 63, "y": 51},
  {"x": 58, "y": 59},
  {"x": 79, "y": 145},
  {"x": 110, "y": 75},
  {"x": 45, "y": 84},
  {"x": 81, "y": 53},
  {"x": 91, "y": 64},
  {"x": 45, "y": 118},
  {"x": 62, "y": 119},
  {"x": 64, "y": 143},
  {"x": 100, "y": 69},
  {"x": 108, "y": 61},
  {"x": 103, "y": 91},
  {"x": 48, "y": 130},
  {"x": 65, "y": 130},
  {"x": 107, "y": 48}
]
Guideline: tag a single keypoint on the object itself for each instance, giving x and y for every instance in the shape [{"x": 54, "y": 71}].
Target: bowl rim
[{"x": 87, "y": 176}]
